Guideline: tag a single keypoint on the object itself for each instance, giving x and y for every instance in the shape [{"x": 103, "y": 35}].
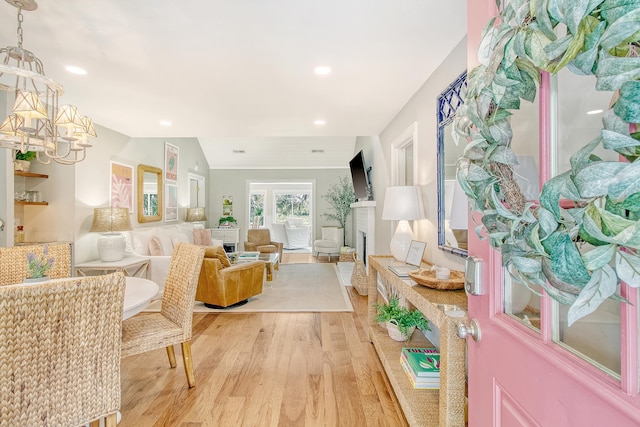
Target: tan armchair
[
  {"x": 260, "y": 240},
  {"x": 222, "y": 285}
]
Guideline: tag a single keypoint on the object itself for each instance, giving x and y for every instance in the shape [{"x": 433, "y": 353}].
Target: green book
[{"x": 423, "y": 362}]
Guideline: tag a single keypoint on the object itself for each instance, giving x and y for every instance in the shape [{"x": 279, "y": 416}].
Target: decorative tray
[{"x": 428, "y": 278}]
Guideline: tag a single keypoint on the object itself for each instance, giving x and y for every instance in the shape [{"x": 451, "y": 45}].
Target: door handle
[{"x": 473, "y": 330}]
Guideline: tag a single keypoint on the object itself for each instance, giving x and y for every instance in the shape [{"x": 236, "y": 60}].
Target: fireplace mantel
[{"x": 365, "y": 218}]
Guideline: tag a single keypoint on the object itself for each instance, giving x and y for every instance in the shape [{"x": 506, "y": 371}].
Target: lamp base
[
  {"x": 401, "y": 241},
  {"x": 111, "y": 247}
]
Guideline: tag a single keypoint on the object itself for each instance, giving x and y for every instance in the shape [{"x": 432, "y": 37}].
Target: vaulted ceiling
[{"x": 239, "y": 75}]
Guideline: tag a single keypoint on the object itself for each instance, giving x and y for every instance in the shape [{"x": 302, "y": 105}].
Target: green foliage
[
  {"x": 227, "y": 219},
  {"x": 340, "y": 197},
  {"x": 404, "y": 318},
  {"x": 544, "y": 243},
  {"x": 29, "y": 155},
  {"x": 38, "y": 266}
]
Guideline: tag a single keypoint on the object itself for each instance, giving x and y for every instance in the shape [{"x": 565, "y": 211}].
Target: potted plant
[
  {"x": 23, "y": 160},
  {"x": 227, "y": 221},
  {"x": 399, "y": 321},
  {"x": 340, "y": 196}
]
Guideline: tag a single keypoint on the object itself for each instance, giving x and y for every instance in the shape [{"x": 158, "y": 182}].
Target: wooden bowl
[{"x": 428, "y": 278}]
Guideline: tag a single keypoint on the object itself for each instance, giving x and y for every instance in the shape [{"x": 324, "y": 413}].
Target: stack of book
[
  {"x": 422, "y": 366},
  {"x": 248, "y": 256}
]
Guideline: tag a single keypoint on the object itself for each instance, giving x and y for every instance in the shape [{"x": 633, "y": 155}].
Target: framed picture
[
  {"x": 170, "y": 162},
  {"x": 121, "y": 186},
  {"x": 416, "y": 249},
  {"x": 227, "y": 205},
  {"x": 171, "y": 203}
]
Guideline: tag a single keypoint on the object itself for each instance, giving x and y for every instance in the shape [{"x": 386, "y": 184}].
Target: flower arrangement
[{"x": 38, "y": 266}]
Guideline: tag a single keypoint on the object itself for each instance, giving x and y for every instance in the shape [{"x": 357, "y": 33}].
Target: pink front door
[{"x": 521, "y": 376}]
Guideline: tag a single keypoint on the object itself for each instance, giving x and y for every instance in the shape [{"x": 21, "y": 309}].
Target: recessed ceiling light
[
  {"x": 75, "y": 70},
  {"x": 322, "y": 70},
  {"x": 320, "y": 122},
  {"x": 164, "y": 123},
  {"x": 594, "y": 112}
]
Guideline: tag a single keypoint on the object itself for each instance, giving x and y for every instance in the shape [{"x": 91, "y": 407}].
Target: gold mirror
[{"x": 149, "y": 193}]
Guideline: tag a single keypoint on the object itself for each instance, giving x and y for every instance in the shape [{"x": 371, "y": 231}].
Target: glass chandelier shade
[{"x": 36, "y": 121}]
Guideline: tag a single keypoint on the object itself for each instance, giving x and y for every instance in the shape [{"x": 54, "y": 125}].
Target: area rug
[{"x": 295, "y": 288}]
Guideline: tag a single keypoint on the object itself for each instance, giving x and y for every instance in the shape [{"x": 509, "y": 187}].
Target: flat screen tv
[{"x": 360, "y": 178}]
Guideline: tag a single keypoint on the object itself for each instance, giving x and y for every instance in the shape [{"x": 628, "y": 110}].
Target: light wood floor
[{"x": 265, "y": 369}]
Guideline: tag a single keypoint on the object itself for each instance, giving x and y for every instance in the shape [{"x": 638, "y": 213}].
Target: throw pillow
[
  {"x": 178, "y": 238},
  {"x": 202, "y": 237},
  {"x": 217, "y": 252},
  {"x": 155, "y": 247},
  {"x": 196, "y": 238}
]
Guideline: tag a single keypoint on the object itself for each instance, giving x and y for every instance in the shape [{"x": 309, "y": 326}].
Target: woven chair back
[
  {"x": 180, "y": 286},
  {"x": 60, "y": 351},
  {"x": 260, "y": 236},
  {"x": 13, "y": 261}
]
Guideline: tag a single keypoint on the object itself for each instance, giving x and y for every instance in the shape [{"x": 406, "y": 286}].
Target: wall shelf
[
  {"x": 30, "y": 174},
  {"x": 22, "y": 203}
]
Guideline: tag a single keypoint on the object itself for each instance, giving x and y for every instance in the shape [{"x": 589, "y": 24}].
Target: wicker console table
[{"x": 439, "y": 407}]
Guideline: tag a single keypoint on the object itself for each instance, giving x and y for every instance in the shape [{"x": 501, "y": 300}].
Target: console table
[
  {"x": 439, "y": 407},
  {"x": 134, "y": 266},
  {"x": 230, "y": 237}
]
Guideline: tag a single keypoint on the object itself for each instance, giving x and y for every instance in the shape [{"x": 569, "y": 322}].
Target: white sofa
[
  {"x": 293, "y": 233},
  {"x": 139, "y": 242}
]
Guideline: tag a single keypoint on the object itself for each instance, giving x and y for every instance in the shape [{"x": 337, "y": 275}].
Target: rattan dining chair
[
  {"x": 172, "y": 325},
  {"x": 13, "y": 261},
  {"x": 60, "y": 351}
]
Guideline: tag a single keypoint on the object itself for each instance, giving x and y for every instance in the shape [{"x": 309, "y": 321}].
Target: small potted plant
[
  {"x": 38, "y": 266},
  {"x": 400, "y": 321},
  {"x": 23, "y": 160},
  {"x": 227, "y": 221}
]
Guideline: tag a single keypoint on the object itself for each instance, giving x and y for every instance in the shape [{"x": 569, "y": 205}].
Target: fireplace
[{"x": 365, "y": 227}]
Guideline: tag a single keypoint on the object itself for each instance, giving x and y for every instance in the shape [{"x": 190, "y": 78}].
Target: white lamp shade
[{"x": 402, "y": 203}]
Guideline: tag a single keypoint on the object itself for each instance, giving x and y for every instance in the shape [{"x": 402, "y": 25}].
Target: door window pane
[{"x": 580, "y": 108}]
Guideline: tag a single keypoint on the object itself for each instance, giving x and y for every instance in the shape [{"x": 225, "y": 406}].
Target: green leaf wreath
[{"x": 578, "y": 254}]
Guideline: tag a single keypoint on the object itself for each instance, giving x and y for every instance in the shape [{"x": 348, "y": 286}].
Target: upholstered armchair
[
  {"x": 223, "y": 285},
  {"x": 260, "y": 240},
  {"x": 330, "y": 243}
]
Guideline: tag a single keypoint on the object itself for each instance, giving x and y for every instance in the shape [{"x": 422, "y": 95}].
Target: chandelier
[{"x": 36, "y": 122}]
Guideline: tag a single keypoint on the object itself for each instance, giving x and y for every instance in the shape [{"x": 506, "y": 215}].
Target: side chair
[
  {"x": 60, "y": 351},
  {"x": 172, "y": 325}
]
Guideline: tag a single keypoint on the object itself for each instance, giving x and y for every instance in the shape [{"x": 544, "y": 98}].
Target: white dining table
[{"x": 138, "y": 294}]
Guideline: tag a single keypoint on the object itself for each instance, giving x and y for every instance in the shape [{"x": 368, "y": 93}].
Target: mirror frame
[
  {"x": 447, "y": 104},
  {"x": 141, "y": 171}
]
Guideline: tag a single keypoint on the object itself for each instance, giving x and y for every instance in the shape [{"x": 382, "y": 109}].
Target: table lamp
[
  {"x": 403, "y": 204},
  {"x": 196, "y": 215},
  {"x": 109, "y": 222}
]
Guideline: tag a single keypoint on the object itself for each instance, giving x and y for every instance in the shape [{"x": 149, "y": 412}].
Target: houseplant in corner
[
  {"x": 400, "y": 321},
  {"x": 23, "y": 160},
  {"x": 340, "y": 197}
]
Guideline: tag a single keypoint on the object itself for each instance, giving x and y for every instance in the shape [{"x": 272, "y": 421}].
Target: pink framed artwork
[
  {"x": 121, "y": 186},
  {"x": 170, "y": 162}
]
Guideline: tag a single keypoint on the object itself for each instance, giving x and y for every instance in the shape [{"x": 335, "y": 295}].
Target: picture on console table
[
  {"x": 170, "y": 162},
  {"x": 121, "y": 186},
  {"x": 171, "y": 203}
]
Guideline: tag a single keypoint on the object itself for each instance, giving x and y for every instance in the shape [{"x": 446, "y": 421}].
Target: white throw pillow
[
  {"x": 165, "y": 235},
  {"x": 141, "y": 241},
  {"x": 178, "y": 238}
]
